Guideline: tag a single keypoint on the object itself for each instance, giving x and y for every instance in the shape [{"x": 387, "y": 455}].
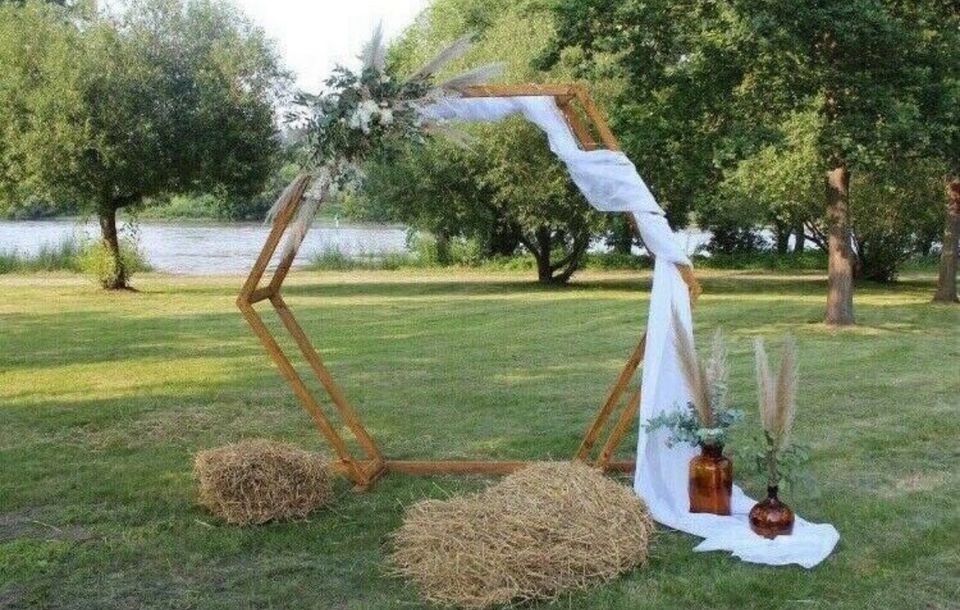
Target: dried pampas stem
[
  {"x": 778, "y": 399},
  {"x": 764, "y": 385},
  {"x": 717, "y": 373},
  {"x": 693, "y": 371},
  {"x": 308, "y": 210},
  {"x": 452, "y": 53},
  {"x": 281, "y": 203},
  {"x": 477, "y": 76},
  {"x": 374, "y": 53},
  {"x": 786, "y": 393}
]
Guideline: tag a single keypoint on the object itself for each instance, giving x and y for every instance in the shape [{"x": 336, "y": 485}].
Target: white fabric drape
[{"x": 610, "y": 182}]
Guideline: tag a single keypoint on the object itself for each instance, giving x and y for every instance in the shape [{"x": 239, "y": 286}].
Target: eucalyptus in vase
[
  {"x": 704, "y": 423},
  {"x": 777, "y": 397}
]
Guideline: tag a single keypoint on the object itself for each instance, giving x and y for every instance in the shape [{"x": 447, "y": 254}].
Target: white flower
[
  {"x": 363, "y": 115},
  {"x": 386, "y": 116}
]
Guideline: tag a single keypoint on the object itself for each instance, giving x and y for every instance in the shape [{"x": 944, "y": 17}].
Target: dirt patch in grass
[{"x": 30, "y": 524}]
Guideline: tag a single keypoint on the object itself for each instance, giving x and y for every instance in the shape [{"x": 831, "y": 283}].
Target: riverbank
[{"x": 202, "y": 248}]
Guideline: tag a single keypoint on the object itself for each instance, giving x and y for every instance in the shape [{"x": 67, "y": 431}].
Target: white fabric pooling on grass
[{"x": 610, "y": 182}]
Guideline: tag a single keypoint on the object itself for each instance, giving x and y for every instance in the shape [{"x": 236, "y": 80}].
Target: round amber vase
[
  {"x": 771, "y": 517},
  {"x": 711, "y": 481}
]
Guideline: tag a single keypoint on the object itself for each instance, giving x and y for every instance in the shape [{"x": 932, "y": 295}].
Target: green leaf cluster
[{"x": 685, "y": 426}]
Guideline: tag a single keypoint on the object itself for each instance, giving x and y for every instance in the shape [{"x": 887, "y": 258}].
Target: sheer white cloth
[{"x": 610, "y": 182}]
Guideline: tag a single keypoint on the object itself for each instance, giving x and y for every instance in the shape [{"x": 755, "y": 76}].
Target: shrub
[{"x": 96, "y": 261}]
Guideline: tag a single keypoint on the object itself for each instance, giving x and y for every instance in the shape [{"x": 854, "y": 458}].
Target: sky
[{"x": 314, "y": 35}]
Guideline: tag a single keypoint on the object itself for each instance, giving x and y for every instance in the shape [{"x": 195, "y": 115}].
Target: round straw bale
[
  {"x": 256, "y": 481},
  {"x": 544, "y": 530}
]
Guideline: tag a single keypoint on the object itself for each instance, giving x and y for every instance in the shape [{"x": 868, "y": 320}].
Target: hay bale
[
  {"x": 541, "y": 531},
  {"x": 256, "y": 481}
]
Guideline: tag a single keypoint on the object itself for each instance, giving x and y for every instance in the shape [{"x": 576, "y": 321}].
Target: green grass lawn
[{"x": 105, "y": 397}]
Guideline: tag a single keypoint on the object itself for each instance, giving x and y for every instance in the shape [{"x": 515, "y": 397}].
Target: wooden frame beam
[{"x": 367, "y": 468}]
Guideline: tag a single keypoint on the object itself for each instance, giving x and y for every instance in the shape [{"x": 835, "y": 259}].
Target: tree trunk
[
  {"x": 570, "y": 263},
  {"x": 442, "y": 241},
  {"x": 115, "y": 277},
  {"x": 799, "y": 237},
  {"x": 781, "y": 238},
  {"x": 841, "y": 263},
  {"x": 539, "y": 246},
  {"x": 947, "y": 280}
]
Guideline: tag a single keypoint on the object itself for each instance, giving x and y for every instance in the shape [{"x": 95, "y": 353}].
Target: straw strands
[
  {"x": 544, "y": 530},
  {"x": 256, "y": 481}
]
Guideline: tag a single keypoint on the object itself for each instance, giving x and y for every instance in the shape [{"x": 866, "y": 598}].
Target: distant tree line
[
  {"x": 831, "y": 126},
  {"x": 828, "y": 125}
]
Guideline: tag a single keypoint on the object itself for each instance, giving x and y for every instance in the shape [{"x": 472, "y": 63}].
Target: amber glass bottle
[
  {"x": 711, "y": 481},
  {"x": 771, "y": 517}
]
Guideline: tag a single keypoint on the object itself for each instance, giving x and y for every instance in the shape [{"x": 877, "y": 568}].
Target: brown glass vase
[
  {"x": 771, "y": 517},
  {"x": 711, "y": 481}
]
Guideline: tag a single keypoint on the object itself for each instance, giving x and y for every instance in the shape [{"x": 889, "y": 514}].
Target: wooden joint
[{"x": 260, "y": 294}]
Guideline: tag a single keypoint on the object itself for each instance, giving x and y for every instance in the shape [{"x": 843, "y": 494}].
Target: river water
[
  {"x": 206, "y": 248},
  {"x": 201, "y": 248}
]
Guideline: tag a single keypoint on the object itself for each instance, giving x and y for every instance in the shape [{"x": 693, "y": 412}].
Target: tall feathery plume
[
  {"x": 455, "y": 51},
  {"x": 717, "y": 373},
  {"x": 312, "y": 199},
  {"x": 786, "y": 392},
  {"x": 476, "y": 76},
  {"x": 281, "y": 203},
  {"x": 693, "y": 372},
  {"x": 764, "y": 388},
  {"x": 374, "y": 53}
]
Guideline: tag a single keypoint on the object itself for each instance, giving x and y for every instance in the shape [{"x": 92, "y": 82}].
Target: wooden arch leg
[
  {"x": 609, "y": 405},
  {"x": 361, "y": 472}
]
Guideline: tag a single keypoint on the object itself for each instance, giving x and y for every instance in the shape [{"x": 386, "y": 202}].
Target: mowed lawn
[{"x": 104, "y": 399}]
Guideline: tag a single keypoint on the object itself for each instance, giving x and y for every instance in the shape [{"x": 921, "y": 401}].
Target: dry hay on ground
[
  {"x": 544, "y": 530},
  {"x": 256, "y": 481}
]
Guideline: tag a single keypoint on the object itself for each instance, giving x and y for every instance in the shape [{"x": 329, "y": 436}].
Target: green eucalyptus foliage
[
  {"x": 784, "y": 468},
  {"x": 685, "y": 426},
  {"x": 360, "y": 114}
]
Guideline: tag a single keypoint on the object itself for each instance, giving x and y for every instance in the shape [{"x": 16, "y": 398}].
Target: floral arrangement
[
  {"x": 707, "y": 419},
  {"x": 777, "y": 458},
  {"x": 361, "y": 114}
]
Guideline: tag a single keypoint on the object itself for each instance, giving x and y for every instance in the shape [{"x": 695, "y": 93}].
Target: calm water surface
[
  {"x": 209, "y": 248},
  {"x": 230, "y": 248}
]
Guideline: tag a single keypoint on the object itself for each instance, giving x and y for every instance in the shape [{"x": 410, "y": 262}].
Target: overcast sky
[{"x": 313, "y": 35}]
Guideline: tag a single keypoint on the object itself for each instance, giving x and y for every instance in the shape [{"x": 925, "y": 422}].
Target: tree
[
  {"x": 506, "y": 189},
  {"x": 940, "y": 97},
  {"x": 436, "y": 188},
  {"x": 732, "y": 73},
  {"x": 534, "y": 193},
  {"x": 171, "y": 97},
  {"x": 678, "y": 63}
]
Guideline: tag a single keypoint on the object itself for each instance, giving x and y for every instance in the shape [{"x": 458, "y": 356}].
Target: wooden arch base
[{"x": 364, "y": 470}]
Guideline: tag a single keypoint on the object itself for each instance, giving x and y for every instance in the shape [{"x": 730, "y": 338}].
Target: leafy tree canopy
[
  {"x": 170, "y": 96},
  {"x": 505, "y": 189}
]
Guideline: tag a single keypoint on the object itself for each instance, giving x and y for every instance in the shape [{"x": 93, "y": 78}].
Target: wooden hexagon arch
[{"x": 364, "y": 470}]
